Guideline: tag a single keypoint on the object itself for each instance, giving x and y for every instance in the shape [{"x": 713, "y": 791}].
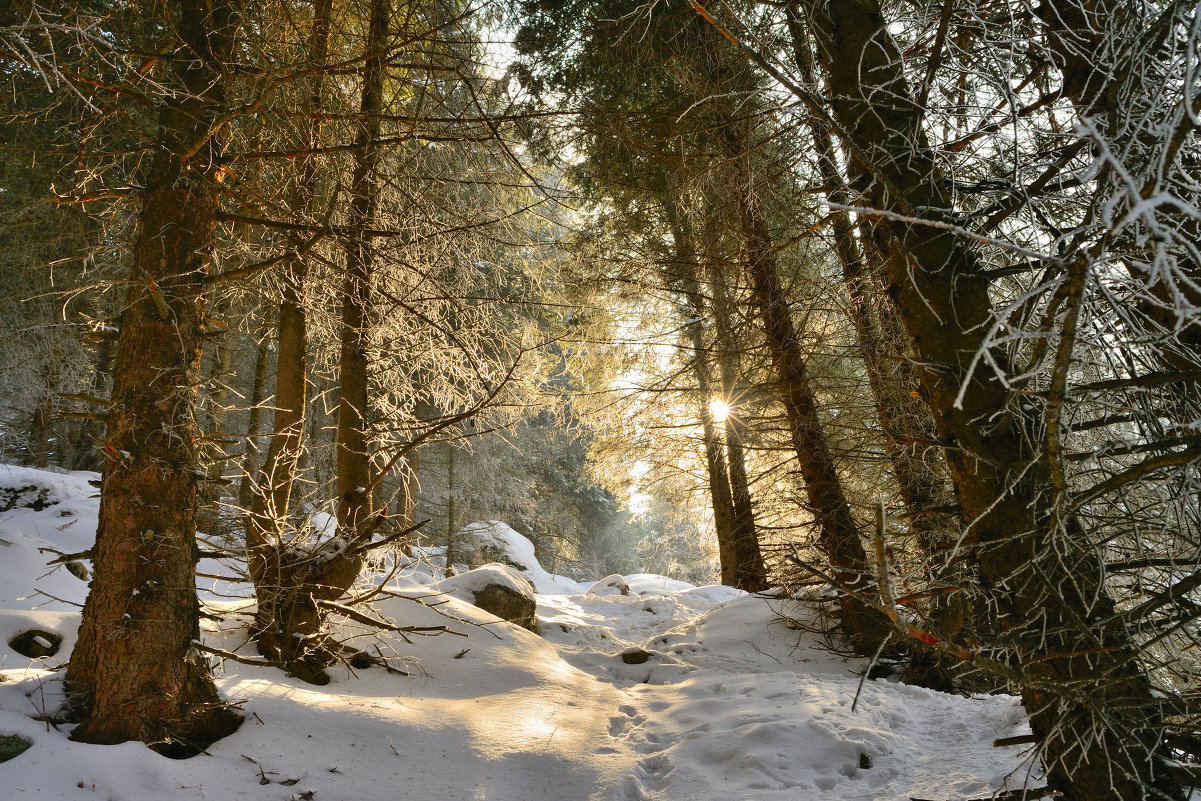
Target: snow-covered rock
[
  {"x": 487, "y": 541},
  {"x": 497, "y": 589},
  {"x": 494, "y": 541},
  {"x": 610, "y": 585}
]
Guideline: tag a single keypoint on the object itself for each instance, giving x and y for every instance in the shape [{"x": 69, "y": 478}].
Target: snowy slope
[{"x": 729, "y": 704}]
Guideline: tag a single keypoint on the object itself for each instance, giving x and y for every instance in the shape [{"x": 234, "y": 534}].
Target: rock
[
  {"x": 481, "y": 543},
  {"x": 610, "y": 585},
  {"x": 12, "y": 745},
  {"x": 35, "y": 643},
  {"x": 508, "y": 604},
  {"x": 635, "y": 656},
  {"x": 498, "y": 589}
]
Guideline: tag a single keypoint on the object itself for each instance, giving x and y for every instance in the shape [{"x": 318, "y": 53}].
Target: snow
[{"x": 734, "y": 702}]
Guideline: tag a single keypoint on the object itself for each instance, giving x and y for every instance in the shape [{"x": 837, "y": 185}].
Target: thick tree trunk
[
  {"x": 838, "y": 531},
  {"x": 134, "y": 673},
  {"x": 1084, "y": 688},
  {"x": 905, "y": 419}
]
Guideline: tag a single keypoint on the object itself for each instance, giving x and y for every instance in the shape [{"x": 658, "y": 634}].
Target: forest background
[{"x": 898, "y": 298}]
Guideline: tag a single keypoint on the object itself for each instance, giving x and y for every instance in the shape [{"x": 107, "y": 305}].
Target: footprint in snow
[
  {"x": 655, "y": 771},
  {"x": 629, "y": 718}
]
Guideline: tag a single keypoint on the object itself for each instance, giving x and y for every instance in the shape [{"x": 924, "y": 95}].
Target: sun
[{"x": 719, "y": 409}]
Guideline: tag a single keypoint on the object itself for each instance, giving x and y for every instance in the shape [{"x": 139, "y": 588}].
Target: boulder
[
  {"x": 484, "y": 542},
  {"x": 497, "y": 589},
  {"x": 508, "y": 604},
  {"x": 635, "y": 656}
]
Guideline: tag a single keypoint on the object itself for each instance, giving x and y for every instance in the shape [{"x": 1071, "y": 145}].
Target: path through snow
[{"x": 730, "y": 704}]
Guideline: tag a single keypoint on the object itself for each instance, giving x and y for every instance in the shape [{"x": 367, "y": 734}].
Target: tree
[
  {"x": 135, "y": 673},
  {"x": 1042, "y": 574}
]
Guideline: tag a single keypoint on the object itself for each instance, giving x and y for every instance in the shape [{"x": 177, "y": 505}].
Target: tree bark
[
  {"x": 250, "y": 455},
  {"x": 838, "y": 531},
  {"x": 720, "y": 495},
  {"x": 1082, "y": 686},
  {"x": 92, "y": 430},
  {"x": 354, "y": 453},
  {"x": 905, "y": 419},
  {"x": 289, "y": 579},
  {"x": 134, "y": 673}
]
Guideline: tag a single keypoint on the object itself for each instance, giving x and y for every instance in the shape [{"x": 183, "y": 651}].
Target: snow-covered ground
[{"x": 730, "y": 703}]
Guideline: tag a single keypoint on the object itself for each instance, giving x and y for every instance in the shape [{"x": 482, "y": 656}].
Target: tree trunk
[
  {"x": 839, "y": 533},
  {"x": 905, "y": 419},
  {"x": 134, "y": 673},
  {"x": 733, "y": 572},
  {"x": 39, "y": 431},
  {"x": 450, "y": 505},
  {"x": 92, "y": 430},
  {"x": 354, "y": 453},
  {"x": 250, "y": 455},
  {"x": 1084, "y": 688},
  {"x": 285, "y": 573},
  {"x": 213, "y": 455},
  {"x": 748, "y": 554},
  {"x": 720, "y": 496}
]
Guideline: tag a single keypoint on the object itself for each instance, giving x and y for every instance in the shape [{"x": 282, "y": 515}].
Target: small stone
[
  {"x": 35, "y": 643},
  {"x": 12, "y": 746},
  {"x": 635, "y": 656},
  {"x": 610, "y": 585}
]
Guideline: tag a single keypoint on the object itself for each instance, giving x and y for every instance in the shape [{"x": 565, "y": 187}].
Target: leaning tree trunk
[
  {"x": 905, "y": 419},
  {"x": 839, "y": 533},
  {"x": 1081, "y": 678},
  {"x": 134, "y": 673}
]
